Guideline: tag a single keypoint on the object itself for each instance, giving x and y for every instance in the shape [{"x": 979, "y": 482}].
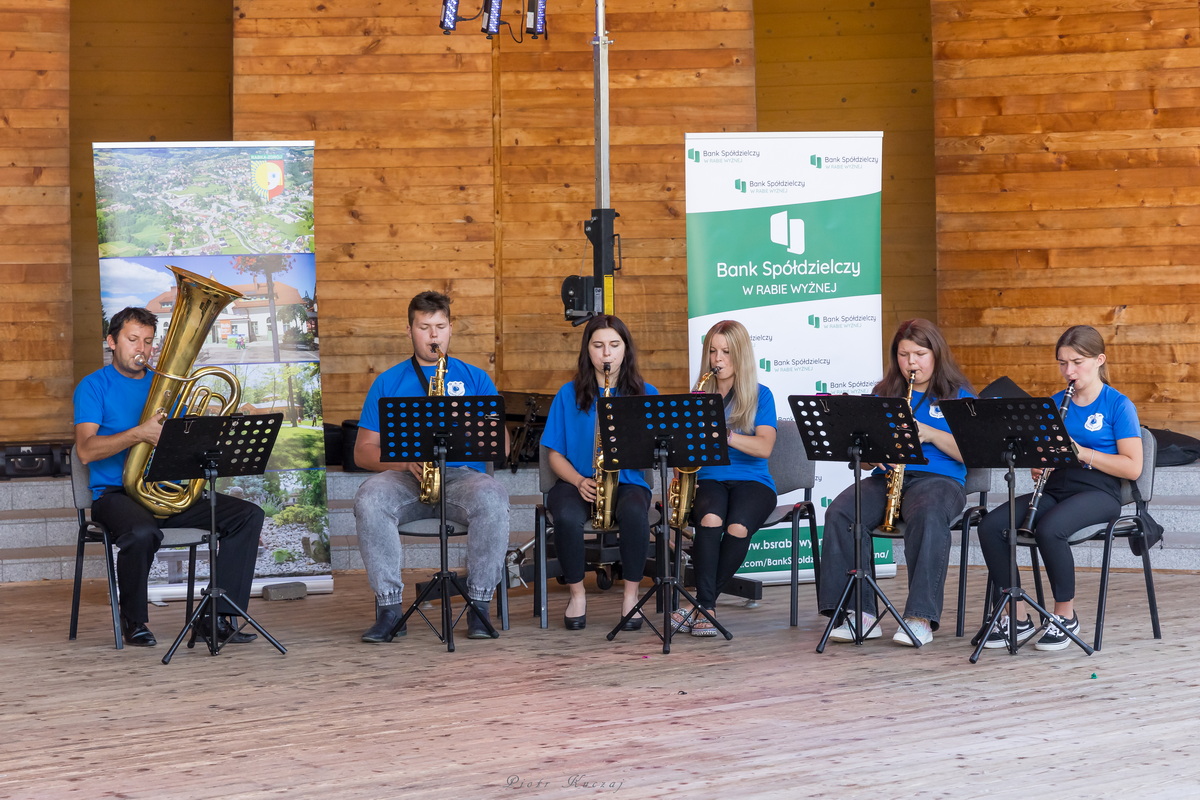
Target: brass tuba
[
  {"x": 175, "y": 393},
  {"x": 683, "y": 489},
  {"x": 431, "y": 478},
  {"x": 606, "y": 479},
  {"x": 895, "y": 478}
]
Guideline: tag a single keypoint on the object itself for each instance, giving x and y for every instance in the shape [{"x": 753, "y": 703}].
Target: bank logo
[
  {"x": 693, "y": 155},
  {"x": 788, "y": 232},
  {"x": 740, "y": 185},
  {"x": 764, "y": 364},
  {"x": 821, "y": 387},
  {"x": 814, "y": 320},
  {"x": 816, "y": 161},
  {"x": 824, "y": 502}
]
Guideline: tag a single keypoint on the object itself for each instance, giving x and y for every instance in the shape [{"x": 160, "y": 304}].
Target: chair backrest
[
  {"x": 1145, "y": 481},
  {"x": 979, "y": 479},
  {"x": 788, "y": 463},
  {"x": 547, "y": 478},
  {"x": 81, "y": 476}
]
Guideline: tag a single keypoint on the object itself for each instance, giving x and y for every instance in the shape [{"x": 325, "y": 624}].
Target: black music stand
[
  {"x": 212, "y": 447},
  {"x": 1011, "y": 433},
  {"x": 879, "y": 430},
  {"x": 433, "y": 428},
  {"x": 664, "y": 430}
]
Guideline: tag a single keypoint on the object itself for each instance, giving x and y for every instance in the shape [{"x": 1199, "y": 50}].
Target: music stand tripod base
[
  {"x": 1010, "y": 433},
  {"x": 207, "y": 448},
  {"x": 858, "y": 428},
  {"x": 682, "y": 430}
]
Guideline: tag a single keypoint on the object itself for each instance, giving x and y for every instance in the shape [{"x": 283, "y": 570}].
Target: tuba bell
[{"x": 175, "y": 393}]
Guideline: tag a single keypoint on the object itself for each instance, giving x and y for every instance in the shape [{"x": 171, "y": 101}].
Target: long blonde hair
[{"x": 745, "y": 379}]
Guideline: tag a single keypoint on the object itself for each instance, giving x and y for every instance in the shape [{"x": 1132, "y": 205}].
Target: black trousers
[
  {"x": 716, "y": 554},
  {"x": 570, "y": 512},
  {"x": 138, "y": 535}
]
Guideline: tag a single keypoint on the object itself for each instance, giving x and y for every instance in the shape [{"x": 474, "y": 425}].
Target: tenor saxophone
[
  {"x": 174, "y": 392},
  {"x": 895, "y": 479},
  {"x": 431, "y": 477},
  {"x": 683, "y": 489},
  {"x": 606, "y": 479}
]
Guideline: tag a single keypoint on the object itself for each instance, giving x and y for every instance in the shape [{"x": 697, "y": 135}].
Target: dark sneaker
[
  {"x": 999, "y": 636},
  {"x": 1055, "y": 638}
]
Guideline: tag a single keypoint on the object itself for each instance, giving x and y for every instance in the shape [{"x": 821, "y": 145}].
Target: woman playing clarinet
[
  {"x": 607, "y": 357},
  {"x": 1103, "y": 423},
  {"x": 732, "y": 501},
  {"x": 931, "y": 498}
]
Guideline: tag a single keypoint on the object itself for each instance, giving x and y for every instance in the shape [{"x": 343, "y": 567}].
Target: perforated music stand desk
[
  {"x": 1010, "y": 433},
  {"x": 438, "y": 428},
  {"x": 878, "y": 430},
  {"x": 664, "y": 431},
  {"x": 208, "y": 448}
]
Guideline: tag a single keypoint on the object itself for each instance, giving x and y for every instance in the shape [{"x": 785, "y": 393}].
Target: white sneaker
[
  {"x": 845, "y": 632},
  {"x": 920, "y": 628}
]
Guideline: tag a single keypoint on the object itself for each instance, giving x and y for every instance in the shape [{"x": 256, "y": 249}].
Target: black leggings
[
  {"x": 716, "y": 554},
  {"x": 570, "y": 512}
]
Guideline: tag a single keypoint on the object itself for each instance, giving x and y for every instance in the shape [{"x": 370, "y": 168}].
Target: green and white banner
[{"x": 783, "y": 235}]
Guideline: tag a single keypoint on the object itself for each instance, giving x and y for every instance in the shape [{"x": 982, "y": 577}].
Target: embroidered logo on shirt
[
  {"x": 936, "y": 412},
  {"x": 456, "y": 388},
  {"x": 1095, "y": 422}
]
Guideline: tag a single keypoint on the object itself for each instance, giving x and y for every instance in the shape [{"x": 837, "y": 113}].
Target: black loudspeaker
[
  {"x": 34, "y": 460},
  {"x": 349, "y": 436},
  {"x": 333, "y": 445}
]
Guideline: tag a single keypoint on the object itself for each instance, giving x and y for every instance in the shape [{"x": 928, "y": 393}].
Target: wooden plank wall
[
  {"x": 1068, "y": 179},
  {"x": 466, "y": 165},
  {"x": 35, "y": 235},
  {"x": 837, "y": 65},
  {"x": 140, "y": 72}
]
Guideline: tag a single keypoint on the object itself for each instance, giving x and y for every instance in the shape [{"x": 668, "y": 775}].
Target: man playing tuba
[{"x": 108, "y": 406}]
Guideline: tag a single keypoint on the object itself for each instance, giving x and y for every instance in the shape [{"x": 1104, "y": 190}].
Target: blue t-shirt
[
  {"x": 1110, "y": 417},
  {"x": 114, "y": 402},
  {"x": 462, "y": 380},
  {"x": 939, "y": 463},
  {"x": 742, "y": 466},
  {"x": 572, "y": 433}
]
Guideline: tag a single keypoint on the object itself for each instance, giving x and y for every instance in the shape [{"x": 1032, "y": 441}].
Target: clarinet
[{"x": 1031, "y": 512}]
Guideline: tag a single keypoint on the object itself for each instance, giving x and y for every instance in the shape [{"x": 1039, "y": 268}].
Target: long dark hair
[
  {"x": 1087, "y": 341},
  {"x": 629, "y": 379},
  {"x": 948, "y": 377}
]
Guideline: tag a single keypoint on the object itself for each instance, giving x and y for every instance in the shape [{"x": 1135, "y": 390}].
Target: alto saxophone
[
  {"x": 683, "y": 489},
  {"x": 1031, "y": 512},
  {"x": 431, "y": 477},
  {"x": 606, "y": 479},
  {"x": 895, "y": 479},
  {"x": 174, "y": 390}
]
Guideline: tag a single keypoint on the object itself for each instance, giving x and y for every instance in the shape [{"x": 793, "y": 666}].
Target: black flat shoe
[
  {"x": 381, "y": 631},
  {"x": 137, "y": 634},
  {"x": 226, "y": 632},
  {"x": 633, "y": 623},
  {"x": 575, "y": 623}
]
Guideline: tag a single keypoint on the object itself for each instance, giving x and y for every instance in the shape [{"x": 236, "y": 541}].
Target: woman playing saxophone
[
  {"x": 570, "y": 436},
  {"x": 930, "y": 500}
]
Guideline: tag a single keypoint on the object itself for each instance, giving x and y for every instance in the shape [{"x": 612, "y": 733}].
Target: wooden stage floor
[{"x": 558, "y": 714}]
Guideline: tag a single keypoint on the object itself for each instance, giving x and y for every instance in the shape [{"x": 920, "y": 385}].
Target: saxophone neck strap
[{"x": 421, "y": 376}]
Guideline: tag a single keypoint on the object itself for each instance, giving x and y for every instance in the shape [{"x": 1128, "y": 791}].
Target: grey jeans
[{"x": 392, "y": 498}]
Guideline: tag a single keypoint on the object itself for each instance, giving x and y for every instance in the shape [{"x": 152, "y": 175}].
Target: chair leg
[
  {"x": 191, "y": 595},
  {"x": 794, "y": 618},
  {"x": 816, "y": 555},
  {"x": 1150, "y": 596},
  {"x": 113, "y": 599},
  {"x": 1103, "y": 599},
  {"x": 78, "y": 587},
  {"x": 502, "y": 601},
  {"x": 1037, "y": 576},
  {"x": 964, "y": 532},
  {"x": 539, "y": 568}
]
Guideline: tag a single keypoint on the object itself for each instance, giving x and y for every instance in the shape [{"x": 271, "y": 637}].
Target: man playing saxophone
[
  {"x": 930, "y": 500},
  {"x": 393, "y": 497},
  {"x": 108, "y": 410}
]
